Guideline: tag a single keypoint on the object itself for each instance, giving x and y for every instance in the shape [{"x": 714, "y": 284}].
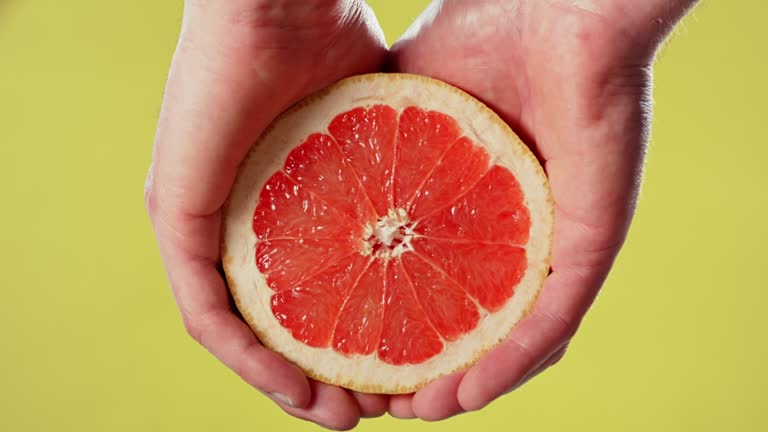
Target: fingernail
[
  {"x": 328, "y": 427},
  {"x": 282, "y": 398}
]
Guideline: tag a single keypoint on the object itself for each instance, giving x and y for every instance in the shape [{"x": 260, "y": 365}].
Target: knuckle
[
  {"x": 555, "y": 359},
  {"x": 565, "y": 327},
  {"x": 192, "y": 329},
  {"x": 150, "y": 195},
  {"x": 239, "y": 364},
  {"x": 523, "y": 349},
  {"x": 559, "y": 355},
  {"x": 195, "y": 328}
]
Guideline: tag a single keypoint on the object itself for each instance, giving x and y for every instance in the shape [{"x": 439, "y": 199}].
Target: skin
[
  {"x": 572, "y": 77},
  {"x": 238, "y": 64}
]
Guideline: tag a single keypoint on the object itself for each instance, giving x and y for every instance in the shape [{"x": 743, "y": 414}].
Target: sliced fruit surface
[{"x": 386, "y": 231}]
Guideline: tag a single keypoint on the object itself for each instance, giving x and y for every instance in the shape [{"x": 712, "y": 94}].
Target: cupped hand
[
  {"x": 573, "y": 78},
  {"x": 238, "y": 64}
]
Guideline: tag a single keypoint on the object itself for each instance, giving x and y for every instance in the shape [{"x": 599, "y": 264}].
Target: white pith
[
  {"x": 369, "y": 373},
  {"x": 393, "y": 233}
]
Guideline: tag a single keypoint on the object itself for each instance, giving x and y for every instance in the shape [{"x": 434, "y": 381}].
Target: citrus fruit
[{"x": 385, "y": 231}]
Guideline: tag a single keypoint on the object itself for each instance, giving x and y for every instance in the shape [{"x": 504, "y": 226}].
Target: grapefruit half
[{"x": 385, "y": 231}]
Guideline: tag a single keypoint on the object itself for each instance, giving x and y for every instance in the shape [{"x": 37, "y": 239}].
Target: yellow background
[{"x": 90, "y": 339}]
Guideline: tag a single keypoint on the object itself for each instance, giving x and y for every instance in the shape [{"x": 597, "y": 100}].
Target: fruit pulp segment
[
  {"x": 488, "y": 272},
  {"x": 360, "y": 319},
  {"x": 312, "y": 303},
  {"x": 422, "y": 139},
  {"x": 462, "y": 227},
  {"x": 367, "y": 139},
  {"x": 407, "y": 335},
  {"x": 318, "y": 166},
  {"x": 462, "y": 166},
  {"x": 493, "y": 210}
]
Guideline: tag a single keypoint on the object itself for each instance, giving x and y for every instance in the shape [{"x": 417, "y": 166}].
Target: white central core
[{"x": 390, "y": 237}]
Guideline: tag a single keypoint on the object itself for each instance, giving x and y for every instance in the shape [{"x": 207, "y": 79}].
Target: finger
[
  {"x": 563, "y": 301},
  {"x": 371, "y": 405},
  {"x": 551, "y": 361},
  {"x": 401, "y": 406},
  {"x": 203, "y": 300},
  {"x": 331, "y": 407},
  {"x": 439, "y": 400}
]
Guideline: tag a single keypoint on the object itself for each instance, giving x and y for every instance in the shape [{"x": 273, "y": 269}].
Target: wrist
[
  {"x": 641, "y": 25},
  {"x": 255, "y": 28},
  {"x": 261, "y": 12},
  {"x": 651, "y": 22}
]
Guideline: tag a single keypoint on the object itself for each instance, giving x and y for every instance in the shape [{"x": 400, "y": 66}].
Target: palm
[{"x": 564, "y": 79}]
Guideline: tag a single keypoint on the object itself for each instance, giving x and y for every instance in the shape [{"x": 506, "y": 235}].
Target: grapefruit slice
[{"x": 385, "y": 231}]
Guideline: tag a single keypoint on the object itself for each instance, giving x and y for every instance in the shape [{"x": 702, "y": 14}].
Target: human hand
[
  {"x": 238, "y": 64},
  {"x": 574, "y": 79}
]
